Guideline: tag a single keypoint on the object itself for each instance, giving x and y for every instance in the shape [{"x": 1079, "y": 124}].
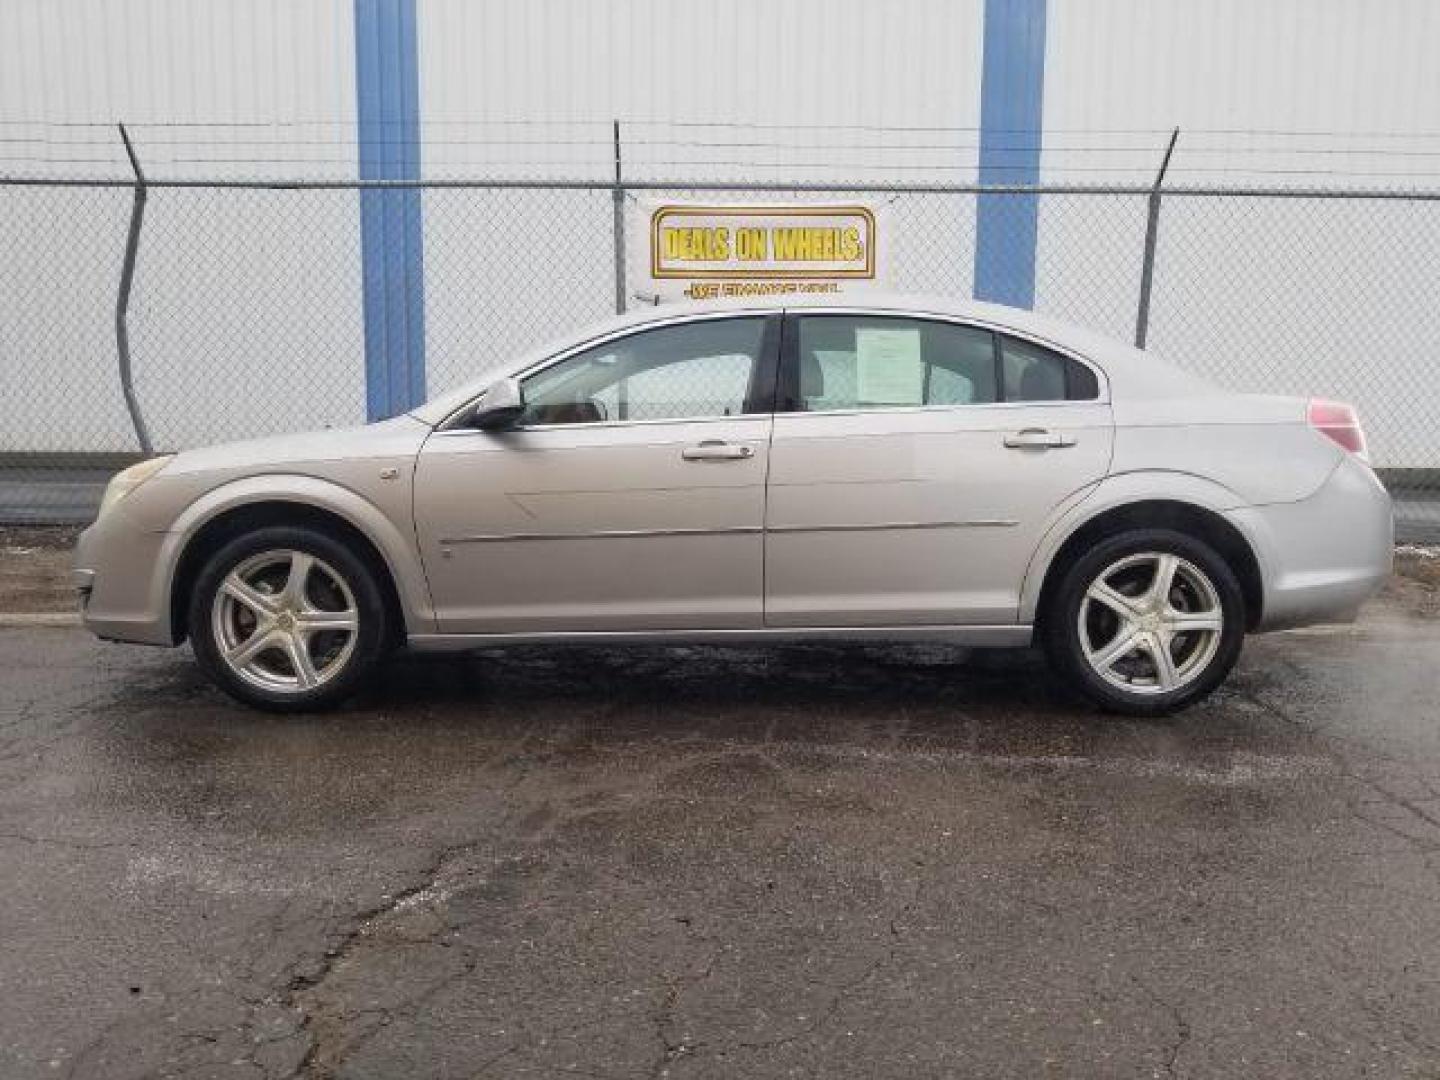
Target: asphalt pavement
[{"x": 795, "y": 862}]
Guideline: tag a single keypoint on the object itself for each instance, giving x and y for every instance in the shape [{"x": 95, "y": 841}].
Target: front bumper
[
  {"x": 1324, "y": 556},
  {"x": 119, "y": 577}
]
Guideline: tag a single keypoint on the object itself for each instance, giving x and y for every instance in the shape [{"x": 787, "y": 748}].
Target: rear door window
[{"x": 849, "y": 362}]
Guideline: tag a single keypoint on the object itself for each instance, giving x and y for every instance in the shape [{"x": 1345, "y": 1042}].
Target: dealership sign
[{"x": 699, "y": 251}]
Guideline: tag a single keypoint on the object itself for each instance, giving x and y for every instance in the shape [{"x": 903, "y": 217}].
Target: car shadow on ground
[
  {"x": 1002, "y": 703},
  {"x": 446, "y": 730}
]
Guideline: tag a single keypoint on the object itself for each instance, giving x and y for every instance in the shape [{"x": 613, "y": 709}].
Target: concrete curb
[{"x": 39, "y": 618}]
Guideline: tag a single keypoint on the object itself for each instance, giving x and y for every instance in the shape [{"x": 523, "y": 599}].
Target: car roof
[{"x": 1140, "y": 374}]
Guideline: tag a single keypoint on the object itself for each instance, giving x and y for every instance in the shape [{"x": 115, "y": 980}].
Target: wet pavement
[{"x": 829, "y": 862}]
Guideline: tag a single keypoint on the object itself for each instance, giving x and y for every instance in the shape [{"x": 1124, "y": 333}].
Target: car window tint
[
  {"x": 1033, "y": 373},
  {"x": 879, "y": 362},
  {"x": 693, "y": 370}
]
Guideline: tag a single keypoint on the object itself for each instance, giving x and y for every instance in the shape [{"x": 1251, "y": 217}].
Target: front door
[
  {"x": 629, "y": 496},
  {"x": 914, "y": 467}
]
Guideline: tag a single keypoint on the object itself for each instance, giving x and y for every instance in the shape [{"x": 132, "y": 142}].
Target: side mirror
[{"x": 500, "y": 406}]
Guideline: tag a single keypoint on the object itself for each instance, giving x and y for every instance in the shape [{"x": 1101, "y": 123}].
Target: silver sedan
[{"x": 912, "y": 470}]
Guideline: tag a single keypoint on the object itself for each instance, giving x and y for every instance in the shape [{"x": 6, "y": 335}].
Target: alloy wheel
[
  {"x": 1150, "y": 623},
  {"x": 285, "y": 621}
]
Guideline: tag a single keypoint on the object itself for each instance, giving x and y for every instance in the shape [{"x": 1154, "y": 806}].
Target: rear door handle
[
  {"x": 1037, "y": 439},
  {"x": 715, "y": 450}
]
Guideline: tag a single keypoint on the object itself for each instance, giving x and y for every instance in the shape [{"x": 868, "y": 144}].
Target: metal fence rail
[{"x": 178, "y": 312}]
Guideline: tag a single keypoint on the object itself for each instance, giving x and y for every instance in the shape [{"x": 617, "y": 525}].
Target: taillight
[{"x": 1339, "y": 422}]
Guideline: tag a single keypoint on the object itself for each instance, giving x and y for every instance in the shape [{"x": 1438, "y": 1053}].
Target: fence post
[
  {"x": 122, "y": 301},
  {"x": 618, "y": 195},
  {"x": 1152, "y": 229}
]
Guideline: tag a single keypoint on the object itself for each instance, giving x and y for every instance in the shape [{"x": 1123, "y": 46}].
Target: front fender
[
  {"x": 394, "y": 541},
  {"x": 1110, "y": 494}
]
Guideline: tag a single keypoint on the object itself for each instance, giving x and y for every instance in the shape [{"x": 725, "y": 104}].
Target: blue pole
[
  {"x": 1012, "y": 90},
  {"x": 387, "y": 93}
]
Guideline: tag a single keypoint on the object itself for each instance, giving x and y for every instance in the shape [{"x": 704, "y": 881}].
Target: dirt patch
[
  {"x": 35, "y": 568},
  {"x": 1416, "y": 584},
  {"x": 1420, "y": 564}
]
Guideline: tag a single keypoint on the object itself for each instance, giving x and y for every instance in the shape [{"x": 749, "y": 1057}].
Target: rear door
[{"x": 914, "y": 466}]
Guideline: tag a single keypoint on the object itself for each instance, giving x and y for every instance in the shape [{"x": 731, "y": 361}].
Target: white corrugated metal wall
[
  {"x": 208, "y": 89},
  {"x": 1289, "y": 297},
  {"x": 1295, "y": 91}
]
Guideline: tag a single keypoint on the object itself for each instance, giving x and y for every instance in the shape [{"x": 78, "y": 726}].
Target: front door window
[{"x": 693, "y": 371}]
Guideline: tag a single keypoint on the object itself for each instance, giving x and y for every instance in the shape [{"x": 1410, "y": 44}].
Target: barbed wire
[
  {"x": 563, "y": 149},
  {"x": 728, "y": 124}
]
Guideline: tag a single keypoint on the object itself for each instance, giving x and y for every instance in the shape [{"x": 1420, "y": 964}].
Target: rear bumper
[
  {"x": 1324, "y": 556},
  {"x": 83, "y": 582}
]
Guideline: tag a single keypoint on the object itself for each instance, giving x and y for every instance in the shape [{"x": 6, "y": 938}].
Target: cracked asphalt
[{"x": 828, "y": 862}]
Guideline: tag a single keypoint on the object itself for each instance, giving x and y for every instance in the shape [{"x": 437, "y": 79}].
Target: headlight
[{"x": 128, "y": 480}]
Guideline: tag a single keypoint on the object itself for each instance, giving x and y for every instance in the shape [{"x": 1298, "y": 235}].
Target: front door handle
[
  {"x": 1037, "y": 439},
  {"x": 715, "y": 450}
]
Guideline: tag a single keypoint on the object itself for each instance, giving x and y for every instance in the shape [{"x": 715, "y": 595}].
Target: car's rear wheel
[
  {"x": 288, "y": 619},
  {"x": 1146, "y": 623}
]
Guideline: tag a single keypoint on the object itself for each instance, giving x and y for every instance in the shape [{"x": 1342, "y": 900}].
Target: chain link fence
[{"x": 246, "y": 315}]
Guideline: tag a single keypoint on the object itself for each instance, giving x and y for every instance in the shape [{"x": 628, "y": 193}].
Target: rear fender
[{"x": 1112, "y": 493}]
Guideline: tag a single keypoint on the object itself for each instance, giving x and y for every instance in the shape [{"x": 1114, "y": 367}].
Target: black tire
[
  {"x": 353, "y": 665},
  {"x": 1210, "y": 662}
]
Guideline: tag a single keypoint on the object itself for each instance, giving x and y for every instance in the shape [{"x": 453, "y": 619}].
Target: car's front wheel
[
  {"x": 287, "y": 618},
  {"x": 1146, "y": 623}
]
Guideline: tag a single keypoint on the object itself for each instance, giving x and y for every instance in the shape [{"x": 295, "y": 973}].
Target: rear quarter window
[{"x": 1031, "y": 372}]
